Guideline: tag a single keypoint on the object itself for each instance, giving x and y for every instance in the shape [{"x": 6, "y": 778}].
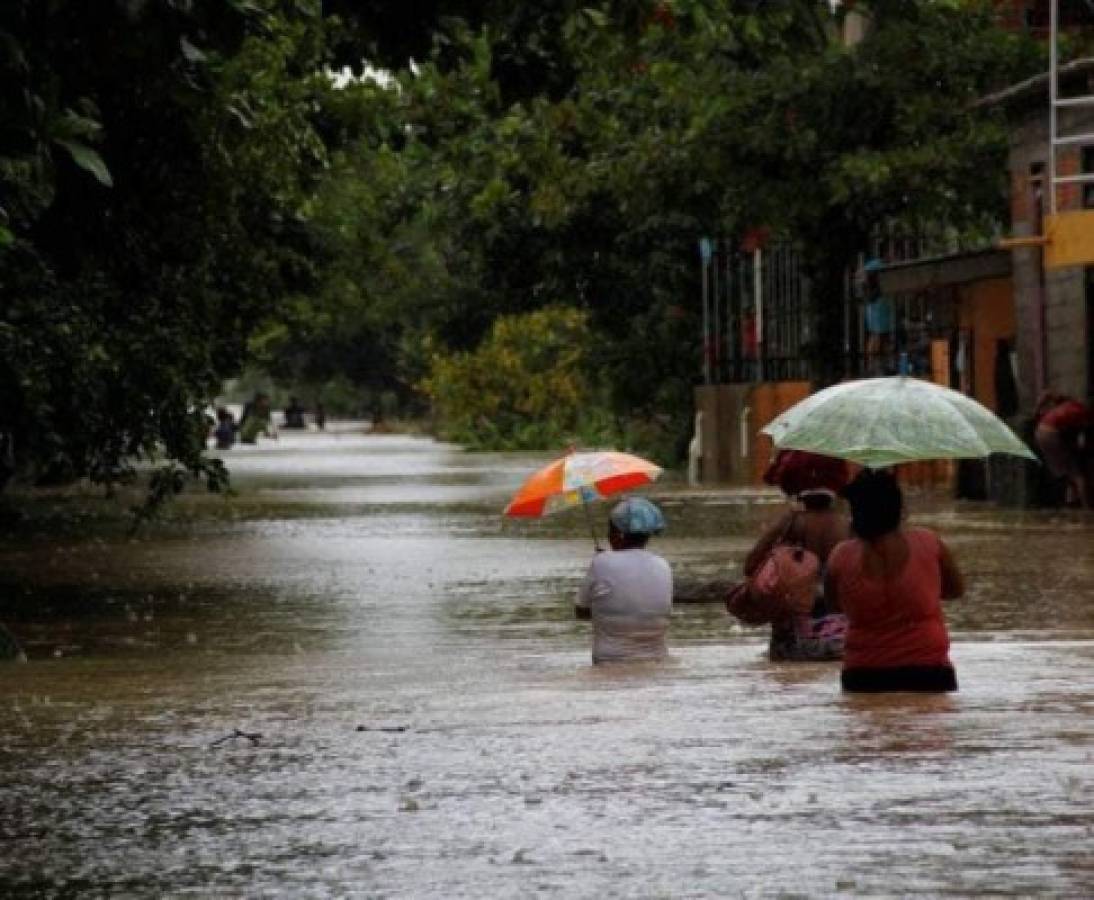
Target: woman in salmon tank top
[{"x": 890, "y": 581}]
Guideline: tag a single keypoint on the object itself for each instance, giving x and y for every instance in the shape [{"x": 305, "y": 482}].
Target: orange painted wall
[
  {"x": 987, "y": 310},
  {"x": 768, "y": 400},
  {"x": 937, "y": 472}
]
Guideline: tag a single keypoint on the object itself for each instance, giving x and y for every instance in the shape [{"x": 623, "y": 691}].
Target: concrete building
[
  {"x": 1019, "y": 322},
  {"x": 1001, "y": 324},
  {"x": 1054, "y": 306}
]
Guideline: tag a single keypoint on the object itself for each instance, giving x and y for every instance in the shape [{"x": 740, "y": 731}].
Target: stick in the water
[{"x": 253, "y": 737}]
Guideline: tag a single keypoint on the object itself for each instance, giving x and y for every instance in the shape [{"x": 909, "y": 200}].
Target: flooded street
[{"x": 419, "y": 716}]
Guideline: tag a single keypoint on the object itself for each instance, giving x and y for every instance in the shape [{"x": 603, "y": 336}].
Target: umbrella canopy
[
  {"x": 883, "y": 421},
  {"x": 579, "y": 477}
]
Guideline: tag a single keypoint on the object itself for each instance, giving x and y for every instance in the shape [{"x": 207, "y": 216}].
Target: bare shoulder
[
  {"x": 842, "y": 552},
  {"x": 924, "y": 536}
]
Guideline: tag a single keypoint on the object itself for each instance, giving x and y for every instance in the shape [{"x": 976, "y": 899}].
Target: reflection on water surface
[{"x": 419, "y": 717}]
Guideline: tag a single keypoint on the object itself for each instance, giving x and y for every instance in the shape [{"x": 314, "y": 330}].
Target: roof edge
[{"x": 1022, "y": 89}]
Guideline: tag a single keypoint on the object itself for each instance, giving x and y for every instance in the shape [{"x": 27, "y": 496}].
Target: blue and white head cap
[{"x": 637, "y": 515}]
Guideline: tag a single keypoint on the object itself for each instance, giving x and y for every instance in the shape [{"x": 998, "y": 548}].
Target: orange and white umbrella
[{"x": 579, "y": 477}]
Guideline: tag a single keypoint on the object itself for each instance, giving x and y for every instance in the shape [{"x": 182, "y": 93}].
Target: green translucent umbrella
[{"x": 883, "y": 421}]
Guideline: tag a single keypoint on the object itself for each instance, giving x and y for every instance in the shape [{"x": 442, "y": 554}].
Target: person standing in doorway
[{"x": 878, "y": 321}]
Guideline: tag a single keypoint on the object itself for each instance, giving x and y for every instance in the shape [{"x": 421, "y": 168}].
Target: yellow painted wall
[{"x": 1070, "y": 238}]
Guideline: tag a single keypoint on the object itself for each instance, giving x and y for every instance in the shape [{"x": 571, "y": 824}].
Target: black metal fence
[
  {"x": 760, "y": 318},
  {"x": 758, "y": 315}
]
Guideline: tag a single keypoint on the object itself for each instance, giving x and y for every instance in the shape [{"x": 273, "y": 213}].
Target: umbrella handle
[{"x": 589, "y": 519}]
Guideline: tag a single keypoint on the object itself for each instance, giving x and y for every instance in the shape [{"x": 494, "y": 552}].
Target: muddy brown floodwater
[{"x": 424, "y": 720}]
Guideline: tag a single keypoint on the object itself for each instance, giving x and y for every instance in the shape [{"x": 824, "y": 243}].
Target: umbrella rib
[{"x": 969, "y": 429}]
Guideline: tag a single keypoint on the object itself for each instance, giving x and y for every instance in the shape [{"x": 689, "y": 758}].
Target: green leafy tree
[
  {"x": 465, "y": 199},
  {"x": 155, "y": 162},
  {"x": 205, "y": 196},
  {"x": 852, "y": 138}
]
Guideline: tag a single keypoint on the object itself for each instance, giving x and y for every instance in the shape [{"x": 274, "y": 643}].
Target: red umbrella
[{"x": 796, "y": 471}]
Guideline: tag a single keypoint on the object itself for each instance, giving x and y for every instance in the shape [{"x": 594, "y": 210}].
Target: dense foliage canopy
[
  {"x": 155, "y": 161},
  {"x": 184, "y": 188}
]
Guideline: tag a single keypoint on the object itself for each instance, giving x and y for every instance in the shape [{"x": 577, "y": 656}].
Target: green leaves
[
  {"x": 121, "y": 311},
  {"x": 190, "y": 52},
  {"x": 524, "y": 387},
  {"x": 555, "y": 159},
  {"x": 88, "y": 159}
]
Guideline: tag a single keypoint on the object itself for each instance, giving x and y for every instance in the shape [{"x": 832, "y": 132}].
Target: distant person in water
[
  {"x": 225, "y": 432},
  {"x": 627, "y": 592},
  {"x": 294, "y": 414},
  {"x": 891, "y": 581},
  {"x": 256, "y": 420},
  {"x": 320, "y": 416}
]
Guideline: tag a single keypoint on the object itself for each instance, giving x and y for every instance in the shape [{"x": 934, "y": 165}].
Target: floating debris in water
[{"x": 253, "y": 737}]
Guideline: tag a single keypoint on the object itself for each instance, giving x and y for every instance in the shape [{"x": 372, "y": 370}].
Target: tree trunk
[{"x": 832, "y": 265}]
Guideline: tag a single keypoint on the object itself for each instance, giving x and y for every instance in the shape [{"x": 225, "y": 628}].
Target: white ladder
[{"x": 1056, "y": 140}]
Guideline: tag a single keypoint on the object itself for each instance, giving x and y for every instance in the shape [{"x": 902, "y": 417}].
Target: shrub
[{"x": 525, "y": 387}]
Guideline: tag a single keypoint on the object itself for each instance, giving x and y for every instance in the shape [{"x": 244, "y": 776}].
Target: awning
[{"x": 941, "y": 271}]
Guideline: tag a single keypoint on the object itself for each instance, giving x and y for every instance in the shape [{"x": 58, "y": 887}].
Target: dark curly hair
[{"x": 877, "y": 503}]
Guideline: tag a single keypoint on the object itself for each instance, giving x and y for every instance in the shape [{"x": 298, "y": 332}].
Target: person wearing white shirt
[{"x": 627, "y": 592}]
